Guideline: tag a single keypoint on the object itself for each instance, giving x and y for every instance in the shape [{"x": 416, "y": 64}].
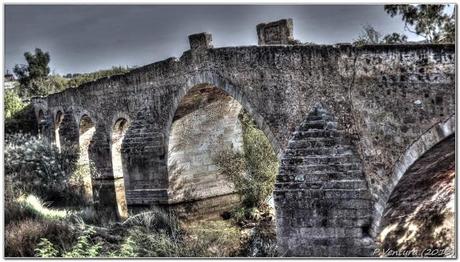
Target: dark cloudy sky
[{"x": 86, "y": 38}]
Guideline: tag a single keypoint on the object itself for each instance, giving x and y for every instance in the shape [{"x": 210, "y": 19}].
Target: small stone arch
[
  {"x": 59, "y": 116},
  {"x": 86, "y": 128},
  {"x": 119, "y": 127},
  {"x": 41, "y": 121}
]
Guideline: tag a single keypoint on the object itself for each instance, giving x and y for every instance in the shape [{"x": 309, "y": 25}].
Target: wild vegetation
[
  {"x": 46, "y": 215},
  {"x": 431, "y": 22}
]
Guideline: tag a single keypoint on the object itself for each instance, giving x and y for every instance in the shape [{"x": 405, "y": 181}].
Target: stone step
[
  {"x": 318, "y": 124},
  {"x": 300, "y": 183},
  {"x": 330, "y": 198},
  {"x": 320, "y": 177},
  {"x": 316, "y": 117},
  {"x": 299, "y": 135},
  {"x": 336, "y": 150},
  {"x": 315, "y": 142},
  {"x": 319, "y": 159},
  {"x": 305, "y": 169}
]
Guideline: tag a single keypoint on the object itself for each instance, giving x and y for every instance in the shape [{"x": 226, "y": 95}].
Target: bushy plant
[
  {"x": 84, "y": 247},
  {"x": 34, "y": 166},
  {"x": 45, "y": 249},
  {"x": 155, "y": 220},
  {"x": 127, "y": 249},
  {"x": 13, "y": 104},
  {"x": 21, "y": 121},
  {"x": 22, "y": 237},
  {"x": 254, "y": 171}
]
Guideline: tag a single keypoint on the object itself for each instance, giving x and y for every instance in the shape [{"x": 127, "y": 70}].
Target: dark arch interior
[
  {"x": 420, "y": 211},
  {"x": 118, "y": 133},
  {"x": 40, "y": 120}
]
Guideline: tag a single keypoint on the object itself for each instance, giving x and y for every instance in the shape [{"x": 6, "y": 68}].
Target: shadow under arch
[
  {"x": 418, "y": 210},
  {"x": 423, "y": 144}
]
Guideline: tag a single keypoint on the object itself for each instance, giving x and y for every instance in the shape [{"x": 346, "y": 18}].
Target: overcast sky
[{"x": 85, "y": 38}]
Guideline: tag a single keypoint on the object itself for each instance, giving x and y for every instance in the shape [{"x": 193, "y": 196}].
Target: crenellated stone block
[
  {"x": 200, "y": 41},
  {"x": 276, "y": 33}
]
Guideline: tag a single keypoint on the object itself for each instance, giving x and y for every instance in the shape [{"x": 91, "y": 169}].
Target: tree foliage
[
  {"x": 429, "y": 21},
  {"x": 13, "y": 104},
  {"x": 34, "y": 78},
  {"x": 370, "y": 36},
  {"x": 79, "y": 79},
  {"x": 253, "y": 171},
  {"x": 394, "y": 38},
  {"x": 36, "y": 68}
]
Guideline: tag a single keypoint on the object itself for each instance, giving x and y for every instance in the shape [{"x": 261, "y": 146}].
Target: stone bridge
[{"x": 352, "y": 126}]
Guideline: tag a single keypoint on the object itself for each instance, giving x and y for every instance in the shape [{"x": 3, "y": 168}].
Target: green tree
[
  {"x": 429, "y": 21},
  {"x": 394, "y": 38},
  {"x": 370, "y": 36},
  {"x": 36, "y": 68}
]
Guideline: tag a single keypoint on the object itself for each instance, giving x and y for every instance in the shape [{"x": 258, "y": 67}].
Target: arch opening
[
  {"x": 86, "y": 133},
  {"x": 120, "y": 180},
  {"x": 219, "y": 162},
  {"x": 41, "y": 122},
  {"x": 57, "y": 124},
  {"x": 420, "y": 212}
]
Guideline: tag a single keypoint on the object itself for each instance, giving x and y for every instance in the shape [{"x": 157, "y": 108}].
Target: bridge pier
[{"x": 323, "y": 206}]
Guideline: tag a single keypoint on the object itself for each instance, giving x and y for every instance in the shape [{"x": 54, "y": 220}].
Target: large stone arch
[
  {"x": 322, "y": 200},
  {"x": 214, "y": 79},
  {"x": 426, "y": 158}
]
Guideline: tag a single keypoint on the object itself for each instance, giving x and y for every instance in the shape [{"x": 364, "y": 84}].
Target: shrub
[
  {"x": 253, "y": 172},
  {"x": 150, "y": 244},
  {"x": 127, "y": 249},
  {"x": 22, "y": 237},
  {"x": 84, "y": 247},
  {"x": 13, "y": 104},
  {"x": 45, "y": 249},
  {"x": 155, "y": 220},
  {"x": 34, "y": 166}
]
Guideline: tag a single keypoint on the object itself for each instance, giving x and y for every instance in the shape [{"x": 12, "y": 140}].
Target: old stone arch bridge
[{"x": 349, "y": 124}]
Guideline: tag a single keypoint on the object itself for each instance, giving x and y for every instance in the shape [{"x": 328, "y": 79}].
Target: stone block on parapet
[
  {"x": 200, "y": 41},
  {"x": 276, "y": 33}
]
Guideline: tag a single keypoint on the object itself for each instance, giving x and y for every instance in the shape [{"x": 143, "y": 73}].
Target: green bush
[
  {"x": 254, "y": 171},
  {"x": 84, "y": 247},
  {"x": 13, "y": 104},
  {"x": 45, "y": 249},
  {"x": 34, "y": 166}
]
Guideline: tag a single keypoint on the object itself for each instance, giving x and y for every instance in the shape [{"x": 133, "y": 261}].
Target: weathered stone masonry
[{"x": 383, "y": 100}]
